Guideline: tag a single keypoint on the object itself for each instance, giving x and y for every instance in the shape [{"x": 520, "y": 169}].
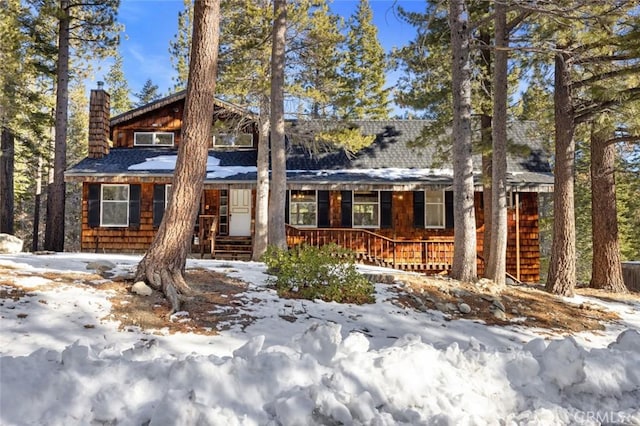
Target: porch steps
[{"x": 233, "y": 248}]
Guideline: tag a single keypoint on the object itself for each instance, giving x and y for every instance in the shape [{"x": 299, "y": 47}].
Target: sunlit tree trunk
[
  {"x": 54, "y": 228},
  {"x": 464, "y": 255},
  {"x": 496, "y": 267},
  {"x": 562, "y": 268},
  {"x": 261, "y": 228},
  {"x": 606, "y": 272},
  {"x": 277, "y": 231},
  {"x": 163, "y": 265}
]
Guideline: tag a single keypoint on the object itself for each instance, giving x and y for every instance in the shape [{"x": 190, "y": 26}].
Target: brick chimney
[{"x": 99, "y": 108}]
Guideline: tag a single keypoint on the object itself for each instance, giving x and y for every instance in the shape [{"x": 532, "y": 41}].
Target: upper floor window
[
  {"x": 153, "y": 138},
  {"x": 114, "y": 205},
  {"x": 434, "y": 209},
  {"x": 366, "y": 209},
  {"x": 302, "y": 208},
  {"x": 225, "y": 140}
]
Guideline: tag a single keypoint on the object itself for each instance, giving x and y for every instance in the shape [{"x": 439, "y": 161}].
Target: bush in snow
[{"x": 327, "y": 273}]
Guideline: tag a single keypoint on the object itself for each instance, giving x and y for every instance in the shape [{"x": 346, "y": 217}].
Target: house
[{"x": 386, "y": 202}]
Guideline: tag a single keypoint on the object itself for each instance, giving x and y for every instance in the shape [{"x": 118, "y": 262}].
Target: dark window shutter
[
  {"x": 347, "y": 217},
  {"x": 134, "y": 206},
  {"x": 286, "y": 207},
  {"x": 448, "y": 209},
  {"x": 323, "y": 209},
  {"x": 93, "y": 205},
  {"x": 418, "y": 209},
  {"x": 386, "y": 209},
  {"x": 158, "y": 204}
]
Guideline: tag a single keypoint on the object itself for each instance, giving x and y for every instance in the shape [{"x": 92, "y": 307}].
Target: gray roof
[{"x": 391, "y": 150}]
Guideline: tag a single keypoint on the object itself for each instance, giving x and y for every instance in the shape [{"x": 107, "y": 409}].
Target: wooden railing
[{"x": 434, "y": 254}]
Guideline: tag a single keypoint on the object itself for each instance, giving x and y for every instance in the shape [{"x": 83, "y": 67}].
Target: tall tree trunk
[
  {"x": 562, "y": 267},
  {"x": 497, "y": 266},
  {"x": 7, "y": 150},
  {"x": 261, "y": 228},
  {"x": 277, "y": 230},
  {"x": 164, "y": 263},
  {"x": 464, "y": 254},
  {"x": 606, "y": 272},
  {"x": 486, "y": 144},
  {"x": 54, "y": 229},
  {"x": 36, "y": 206}
]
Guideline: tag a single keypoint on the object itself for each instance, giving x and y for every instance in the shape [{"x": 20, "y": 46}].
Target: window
[
  {"x": 153, "y": 138},
  {"x": 114, "y": 205},
  {"x": 366, "y": 209},
  {"x": 303, "y": 208},
  {"x": 233, "y": 139},
  {"x": 434, "y": 209}
]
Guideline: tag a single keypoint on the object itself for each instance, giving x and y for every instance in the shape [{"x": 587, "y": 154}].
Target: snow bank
[{"x": 321, "y": 378}]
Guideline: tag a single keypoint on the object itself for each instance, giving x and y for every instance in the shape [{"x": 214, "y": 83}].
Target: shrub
[{"x": 327, "y": 273}]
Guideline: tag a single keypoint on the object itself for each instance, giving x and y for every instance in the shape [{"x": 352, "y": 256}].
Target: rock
[
  {"x": 140, "y": 288},
  {"x": 10, "y": 244},
  {"x": 498, "y": 305},
  {"x": 101, "y": 265},
  {"x": 499, "y": 314},
  {"x": 464, "y": 308},
  {"x": 451, "y": 307}
]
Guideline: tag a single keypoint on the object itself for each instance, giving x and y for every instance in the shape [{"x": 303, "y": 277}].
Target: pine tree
[
  {"x": 363, "y": 73},
  {"x": 117, "y": 86},
  {"x": 149, "y": 93},
  {"x": 179, "y": 47},
  {"x": 163, "y": 264},
  {"x": 83, "y": 30}
]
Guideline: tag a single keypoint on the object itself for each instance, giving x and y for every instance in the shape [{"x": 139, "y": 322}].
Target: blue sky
[{"x": 151, "y": 24}]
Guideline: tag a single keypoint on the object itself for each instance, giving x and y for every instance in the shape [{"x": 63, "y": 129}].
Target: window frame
[
  {"x": 168, "y": 188},
  {"x": 354, "y": 203},
  {"x": 291, "y": 209},
  {"x": 442, "y": 204},
  {"x": 154, "y": 138},
  {"x": 235, "y": 135},
  {"x": 125, "y": 202}
]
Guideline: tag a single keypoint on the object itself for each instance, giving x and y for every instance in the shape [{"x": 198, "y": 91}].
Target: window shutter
[
  {"x": 286, "y": 207},
  {"x": 93, "y": 205},
  {"x": 323, "y": 209},
  {"x": 347, "y": 217},
  {"x": 134, "y": 206},
  {"x": 158, "y": 204},
  {"x": 448, "y": 209},
  {"x": 386, "y": 209},
  {"x": 418, "y": 209}
]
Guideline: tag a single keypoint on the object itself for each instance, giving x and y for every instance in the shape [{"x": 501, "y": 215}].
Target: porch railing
[{"x": 433, "y": 254}]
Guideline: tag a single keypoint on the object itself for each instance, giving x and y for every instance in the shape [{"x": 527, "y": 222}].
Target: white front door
[{"x": 239, "y": 212}]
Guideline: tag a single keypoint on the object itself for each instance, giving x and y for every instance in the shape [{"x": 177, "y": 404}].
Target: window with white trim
[
  {"x": 366, "y": 209},
  {"x": 114, "y": 205},
  {"x": 153, "y": 138},
  {"x": 303, "y": 208},
  {"x": 226, "y": 140},
  {"x": 434, "y": 209}
]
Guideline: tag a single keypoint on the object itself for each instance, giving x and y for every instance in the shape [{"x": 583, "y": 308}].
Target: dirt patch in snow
[
  {"x": 526, "y": 305},
  {"x": 220, "y": 302}
]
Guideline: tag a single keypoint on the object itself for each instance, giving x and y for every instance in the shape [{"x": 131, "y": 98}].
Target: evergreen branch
[
  {"x": 586, "y": 112},
  {"x": 605, "y": 76}
]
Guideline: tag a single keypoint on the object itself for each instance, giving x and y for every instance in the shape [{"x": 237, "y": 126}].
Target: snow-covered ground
[{"x": 378, "y": 364}]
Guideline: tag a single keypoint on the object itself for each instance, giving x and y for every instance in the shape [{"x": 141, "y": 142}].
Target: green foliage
[
  {"x": 180, "y": 46},
  {"x": 149, "y": 93},
  {"x": 327, "y": 273},
  {"x": 348, "y": 138},
  {"x": 363, "y": 73},
  {"x": 117, "y": 87}
]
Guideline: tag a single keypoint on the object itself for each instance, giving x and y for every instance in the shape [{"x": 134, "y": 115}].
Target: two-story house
[{"x": 386, "y": 201}]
